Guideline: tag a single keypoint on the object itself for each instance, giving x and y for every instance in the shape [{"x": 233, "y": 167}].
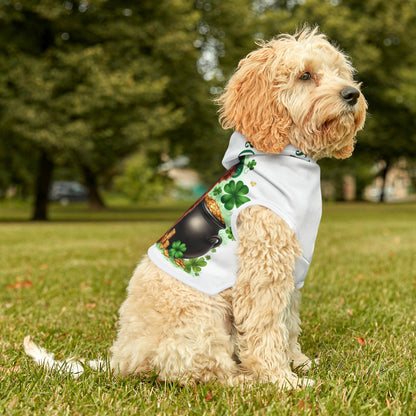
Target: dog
[{"x": 217, "y": 297}]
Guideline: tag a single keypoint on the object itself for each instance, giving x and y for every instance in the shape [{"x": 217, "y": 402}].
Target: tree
[
  {"x": 223, "y": 35},
  {"x": 82, "y": 84},
  {"x": 89, "y": 83}
]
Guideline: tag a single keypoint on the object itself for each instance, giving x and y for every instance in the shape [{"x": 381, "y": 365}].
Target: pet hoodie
[{"x": 200, "y": 249}]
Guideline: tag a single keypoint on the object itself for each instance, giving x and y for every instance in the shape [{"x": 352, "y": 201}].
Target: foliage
[
  {"x": 65, "y": 284},
  {"x": 360, "y": 165},
  {"x": 140, "y": 181},
  {"x": 94, "y": 91},
  {"x": 89, "y": 83},
  {"x": 223, "y": 37},
  {"x": 16, "y": 168}
]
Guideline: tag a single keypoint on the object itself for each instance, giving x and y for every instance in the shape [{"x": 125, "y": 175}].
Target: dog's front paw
[
  {"x": 303, "y": 364},
  {"x": 306, "y": 382},
  {"x": 296, "y": 382}
]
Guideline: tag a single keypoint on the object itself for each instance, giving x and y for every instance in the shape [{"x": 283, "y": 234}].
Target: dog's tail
[{"x": 71, "y": 366}]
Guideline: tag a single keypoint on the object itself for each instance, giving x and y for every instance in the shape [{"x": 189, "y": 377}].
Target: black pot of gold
[{"x": 197, "y": 231}]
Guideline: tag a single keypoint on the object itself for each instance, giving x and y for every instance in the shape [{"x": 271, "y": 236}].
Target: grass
[{"x": 62, "y": 282}]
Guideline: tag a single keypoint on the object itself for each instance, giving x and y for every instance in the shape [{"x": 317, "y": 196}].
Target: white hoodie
[{"x": 287, "y": 183}]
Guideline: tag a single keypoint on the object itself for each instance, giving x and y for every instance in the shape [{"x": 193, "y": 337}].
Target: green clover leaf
[
  {"x": 177, "y": 250},
  {"x": 230, "y": 234},
  {"x": 217, "y": 191},
  {"x": 234, "y": 195},
  {"x": 195, "y": 265},
  {"x": 251, "y": 164}
]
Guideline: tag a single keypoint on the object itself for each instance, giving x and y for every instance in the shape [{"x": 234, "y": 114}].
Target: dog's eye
[{"x": 306, "y": 76}]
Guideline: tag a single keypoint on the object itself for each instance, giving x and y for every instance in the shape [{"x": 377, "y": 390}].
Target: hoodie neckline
[{"x": 239, "y": 147}]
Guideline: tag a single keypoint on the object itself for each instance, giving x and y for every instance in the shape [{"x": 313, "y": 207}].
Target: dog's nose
[{"x": 350, "y": 95}]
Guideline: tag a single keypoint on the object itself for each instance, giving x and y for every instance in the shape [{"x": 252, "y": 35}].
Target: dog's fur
[{"x": 250, "y": 331}]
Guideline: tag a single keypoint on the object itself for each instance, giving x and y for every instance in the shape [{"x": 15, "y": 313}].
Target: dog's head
[{"x": 296, "y": 90}]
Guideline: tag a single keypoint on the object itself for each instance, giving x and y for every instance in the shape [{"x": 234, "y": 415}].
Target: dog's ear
[{"x": 251, "y": 104}]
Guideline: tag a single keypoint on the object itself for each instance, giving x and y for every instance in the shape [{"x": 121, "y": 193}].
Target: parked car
[{"x": 67, "y": 191}]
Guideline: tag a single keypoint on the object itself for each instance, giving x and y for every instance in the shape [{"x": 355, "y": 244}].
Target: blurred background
[{"x": 103, "y": 101}]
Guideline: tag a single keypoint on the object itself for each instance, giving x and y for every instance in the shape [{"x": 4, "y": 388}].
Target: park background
[{"x": 119, "y": 96}]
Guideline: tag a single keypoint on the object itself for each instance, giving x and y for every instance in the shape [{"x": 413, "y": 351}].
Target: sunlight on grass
[{"x": 63, "y": 282}]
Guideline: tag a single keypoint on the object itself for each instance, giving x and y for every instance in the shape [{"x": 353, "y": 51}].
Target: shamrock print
[
  {"x": 230, "y": 234},
  {"x": 217, "y": 191},
  {"x": 234, "y": 195},
  {"x": 300, "y": 155},
  {"x": 177, "y": 250},
  {"x": 251, "y": 164},
  {"x": 195, "y": 265}
]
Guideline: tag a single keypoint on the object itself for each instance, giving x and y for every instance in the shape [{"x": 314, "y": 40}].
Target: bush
[{"x": 141, "y": 182}]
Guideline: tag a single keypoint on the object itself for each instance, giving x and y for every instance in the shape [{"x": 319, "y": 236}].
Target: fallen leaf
[
  {"x": 91, "y": 305},
  {"x": 359, "y": 277},
  {"x": 302, "y": 405},
  {"x": 20, "y": 285},
  {"x": 361, "y": 341},
  {"x": 350, "y": 312},
  {"x": 209, "y": 396}
]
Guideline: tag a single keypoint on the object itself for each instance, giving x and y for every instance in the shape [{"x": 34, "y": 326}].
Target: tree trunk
[
  {"x": 384, "y": 177},
  {"x": 95, "y": 199},
  {"x": 42, "y": 185}
]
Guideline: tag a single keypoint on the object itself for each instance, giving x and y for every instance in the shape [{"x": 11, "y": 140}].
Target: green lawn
[{"x": 62, "y": 282}]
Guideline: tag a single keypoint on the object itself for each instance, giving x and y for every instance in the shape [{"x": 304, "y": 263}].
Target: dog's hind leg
[
  {"x": 267, "y": 253},
  {"x": 198, "y": 349},
  {"x": 168, "y": 327}
]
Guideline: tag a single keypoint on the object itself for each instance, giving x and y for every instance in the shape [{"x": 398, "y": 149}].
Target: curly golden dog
[{"x": 291, "y": 102}]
